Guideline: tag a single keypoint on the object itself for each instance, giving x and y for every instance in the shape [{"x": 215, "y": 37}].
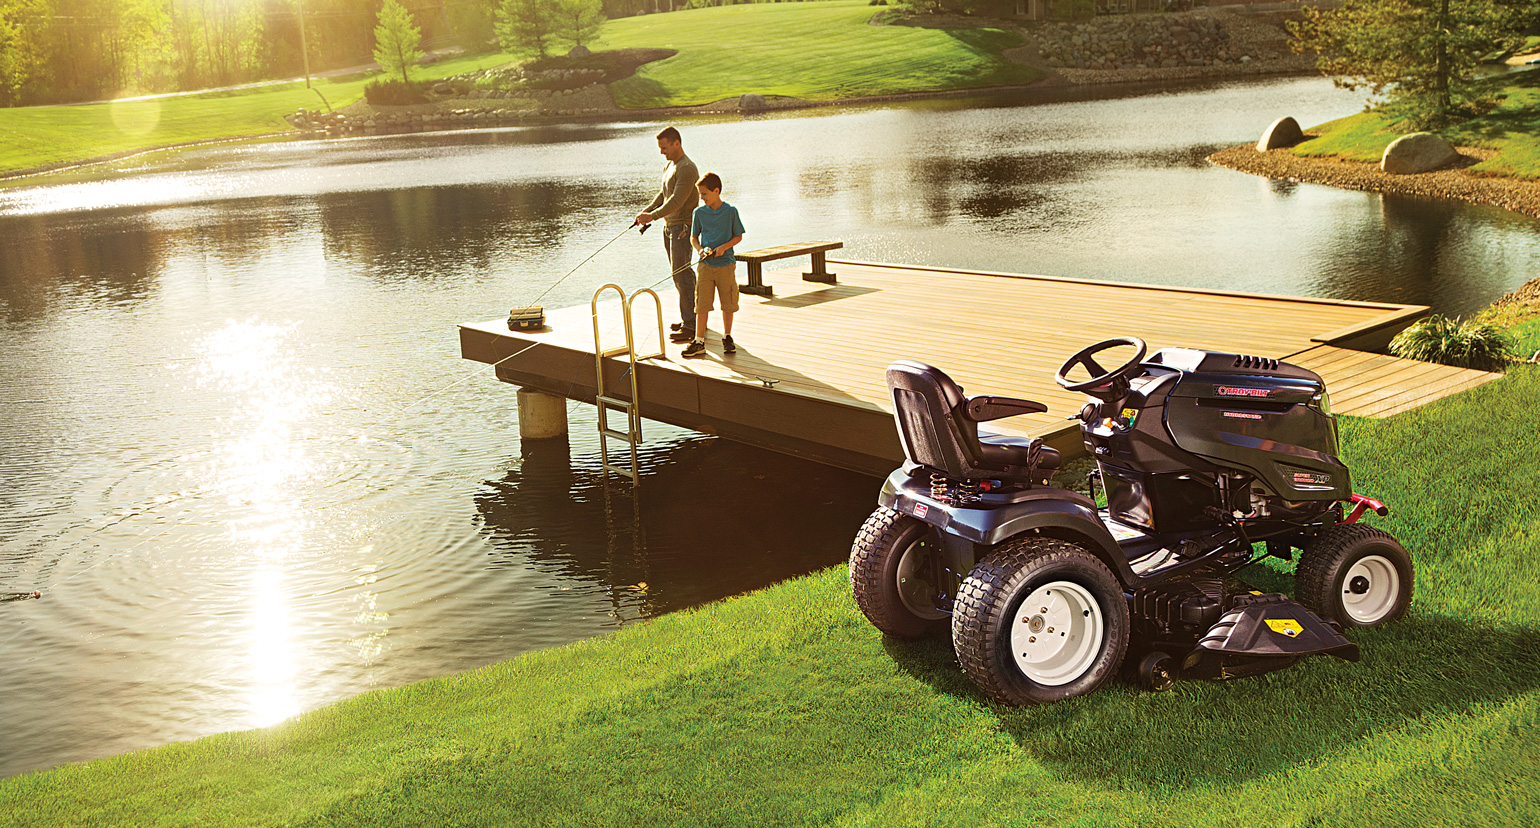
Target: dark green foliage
[
  {"x": 1421, "y": 54},
  {"x": 394, "y": 92},
  {"x": 1449, "y": 341}
]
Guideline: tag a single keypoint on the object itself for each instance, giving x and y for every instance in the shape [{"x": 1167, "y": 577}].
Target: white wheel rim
[
  {"x": 1057, "y": 633},
  {"x": 914, "y": 586},
  {"x": 1370, "y": 589}
]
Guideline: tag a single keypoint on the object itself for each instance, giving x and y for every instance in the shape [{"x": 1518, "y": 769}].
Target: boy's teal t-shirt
[{"x": 717, "y": 227}]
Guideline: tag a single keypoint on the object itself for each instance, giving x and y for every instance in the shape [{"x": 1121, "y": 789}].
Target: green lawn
[
  {"x": 1513, "y": 129},
  {"x": 816, "y": 51},
  {"x": 41, "y": 135},
  {"x": 786, "y": 708}
]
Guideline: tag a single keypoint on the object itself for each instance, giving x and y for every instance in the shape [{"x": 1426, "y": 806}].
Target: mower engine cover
[{"x": 1259, "y": 415}]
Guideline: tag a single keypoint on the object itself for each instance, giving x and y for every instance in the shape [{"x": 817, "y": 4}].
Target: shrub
[
  {"x": 1449, "y": 341},
  {"x": 395, "y": 93}
]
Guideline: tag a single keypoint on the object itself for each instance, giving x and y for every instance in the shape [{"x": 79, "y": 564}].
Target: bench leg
[
  {"x": 756, "y": 285},
  {"x": 820, "y": 272}
]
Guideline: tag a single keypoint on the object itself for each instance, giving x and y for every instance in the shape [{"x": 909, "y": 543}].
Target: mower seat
[{"x": 938, "y": 426}]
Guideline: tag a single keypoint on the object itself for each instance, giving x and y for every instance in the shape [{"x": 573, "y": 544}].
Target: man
[{"x": 675, "y": 203}]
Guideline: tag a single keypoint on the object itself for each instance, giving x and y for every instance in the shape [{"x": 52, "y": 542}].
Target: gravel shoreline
[{"x": 1455, "y": 183}]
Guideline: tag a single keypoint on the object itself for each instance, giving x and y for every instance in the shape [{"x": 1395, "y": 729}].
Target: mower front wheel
[
  {"x": 1040, "y": 620},
  {"x": 897, "y": 574},
  {"x": 1355, "y": 575}
]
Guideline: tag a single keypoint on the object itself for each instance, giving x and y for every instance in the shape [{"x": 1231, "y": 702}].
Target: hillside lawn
[
  {"x": 816, "y": 51},
  {"x": 785, "y": 707},
  {"x": 1512, "y": 129}
]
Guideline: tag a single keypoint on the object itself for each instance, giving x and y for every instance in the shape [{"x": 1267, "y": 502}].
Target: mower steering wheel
[{"x": 1103, "y": 384}]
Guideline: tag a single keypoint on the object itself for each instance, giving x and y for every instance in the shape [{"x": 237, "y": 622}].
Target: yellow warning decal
[
  {"x": 1285, "y": 626},
  {"x": 1128, "y": 415}
]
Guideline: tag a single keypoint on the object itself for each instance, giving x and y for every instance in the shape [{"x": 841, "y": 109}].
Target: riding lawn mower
[{"x": 1209, "y": 463}]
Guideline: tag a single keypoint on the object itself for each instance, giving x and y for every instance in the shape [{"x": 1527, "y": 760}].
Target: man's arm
[
  {"x": 646, "y": 216},
  {"x": 678, "y": 190}
]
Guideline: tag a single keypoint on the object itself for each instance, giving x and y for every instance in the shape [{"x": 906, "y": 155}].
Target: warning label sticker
[{"x": 1285, "y": 626}]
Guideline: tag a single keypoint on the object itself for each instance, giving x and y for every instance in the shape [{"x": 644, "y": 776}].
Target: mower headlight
[{"x": 1322, "y": 401}]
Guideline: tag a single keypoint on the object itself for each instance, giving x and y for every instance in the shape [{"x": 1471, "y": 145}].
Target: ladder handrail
[{"x": 633, "y": 434}]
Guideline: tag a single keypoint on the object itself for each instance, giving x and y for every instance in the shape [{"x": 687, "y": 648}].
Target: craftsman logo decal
[
  {"x": 1243, "y": 415},
  {"x": 920, "y": 509},
  {"x": 1232, "y": 391},
  {"x": 1128, "y": 415},
  {"x": 1285, "y": 626}
]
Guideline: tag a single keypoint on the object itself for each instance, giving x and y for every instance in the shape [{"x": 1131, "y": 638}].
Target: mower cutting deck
[{"x": 1202, "y": 456}]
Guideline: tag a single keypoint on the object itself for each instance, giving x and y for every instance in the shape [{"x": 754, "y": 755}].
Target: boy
[{"x": 714, "y": 230}]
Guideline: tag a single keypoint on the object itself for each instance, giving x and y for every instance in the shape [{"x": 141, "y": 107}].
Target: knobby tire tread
[
  {"x": 1314, "y": 578},
  {"x": 976, "y": 636},
  {"x": 877, "y": 538}
]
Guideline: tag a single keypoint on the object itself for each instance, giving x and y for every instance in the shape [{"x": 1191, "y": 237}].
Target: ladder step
[
  {"x": 627, "y": 472},
  {"x": 615, "y": 351},
  {"x": 619, "y": 435},
  {"x": 615, "y": 402}
]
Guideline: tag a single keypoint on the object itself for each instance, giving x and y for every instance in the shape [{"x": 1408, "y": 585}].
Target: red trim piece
[{"x": 1362, "y": 504}]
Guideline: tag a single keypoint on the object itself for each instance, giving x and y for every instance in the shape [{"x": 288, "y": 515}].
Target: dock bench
[{"x": 756, "y": 259}]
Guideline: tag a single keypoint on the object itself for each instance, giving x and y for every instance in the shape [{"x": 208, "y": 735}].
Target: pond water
[{"x": 250, "y": 475}]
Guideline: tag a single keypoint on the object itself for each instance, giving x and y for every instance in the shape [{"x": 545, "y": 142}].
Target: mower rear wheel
[
  {"x": 1039, "y": 620},
  {"x": 1355, "y": 575},
  {"x": 895, "y": 564}
]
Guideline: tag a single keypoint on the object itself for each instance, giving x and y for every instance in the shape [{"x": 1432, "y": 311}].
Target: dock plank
[{"x": 826, "y": 347}]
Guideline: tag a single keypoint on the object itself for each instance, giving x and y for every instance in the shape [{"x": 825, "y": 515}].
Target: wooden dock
[{"x": 808, "y": 380}]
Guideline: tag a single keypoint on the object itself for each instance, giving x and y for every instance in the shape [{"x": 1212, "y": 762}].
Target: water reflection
[{"x": 707, "y": 504}]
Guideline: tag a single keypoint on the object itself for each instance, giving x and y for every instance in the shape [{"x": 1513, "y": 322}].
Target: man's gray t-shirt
[{"x": 675, "y": 203}]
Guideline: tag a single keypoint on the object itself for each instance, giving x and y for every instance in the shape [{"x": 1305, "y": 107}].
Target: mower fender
[{"x": 1047, "y": 511}]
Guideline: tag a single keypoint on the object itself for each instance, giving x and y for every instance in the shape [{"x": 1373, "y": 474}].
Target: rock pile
[{"x": 1137, "y": 41}]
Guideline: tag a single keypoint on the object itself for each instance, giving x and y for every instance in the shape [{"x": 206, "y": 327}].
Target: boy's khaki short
[{"x": 719, "y": 279}]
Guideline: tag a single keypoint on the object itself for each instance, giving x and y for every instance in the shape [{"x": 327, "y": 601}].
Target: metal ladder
[{"x": 607, "y": 402}]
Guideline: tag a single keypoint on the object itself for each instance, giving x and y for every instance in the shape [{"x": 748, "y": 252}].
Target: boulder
[
  {"x": 578, "y": 51},
  {"x": 1416, "y": 153},
  {"x": 1284, "y": 132},
  {"x": 750, "y": 102},
  {"x": 443, "y": 89}
]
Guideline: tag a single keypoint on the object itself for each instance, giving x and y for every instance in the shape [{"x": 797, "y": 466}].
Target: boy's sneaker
[
  {"x": 727, "y": 345},
  {"x": 695, "y": 349}
]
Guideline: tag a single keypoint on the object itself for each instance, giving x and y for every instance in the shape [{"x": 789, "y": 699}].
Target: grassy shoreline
[
  {"x": 1500, "y": 163},
  {"x": 814, "y": 51},
  {"x": 784, "y": 707}
]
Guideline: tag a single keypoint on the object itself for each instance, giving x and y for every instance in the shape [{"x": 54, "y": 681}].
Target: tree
[
  {"x": 526, "y": 24},
  {"x": 580, "y": 20},
  {"x": 1420, "y": 54},
  {"x": 396, "y": 39}
]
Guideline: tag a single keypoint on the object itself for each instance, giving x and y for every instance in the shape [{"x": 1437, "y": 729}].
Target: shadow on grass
[{"x": 1202, "y": 732}]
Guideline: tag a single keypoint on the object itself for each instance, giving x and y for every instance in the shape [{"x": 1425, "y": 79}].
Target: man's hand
[
  {"x": 644, "y": 218},
  {"x": 706, "y": 252}
]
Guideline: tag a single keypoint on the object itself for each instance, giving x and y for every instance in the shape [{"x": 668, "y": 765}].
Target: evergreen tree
[
  {"x": 1420, "y": 54},
  {"x": 580, "y": 20},
  {"x": 396, "y": 39},
  {"x": 526, "y": 24}
]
